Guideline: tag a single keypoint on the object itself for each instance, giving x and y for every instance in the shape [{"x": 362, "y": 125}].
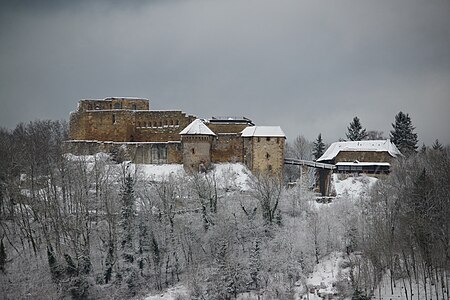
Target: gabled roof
[
  {"x": 369, "y": 146},
  {"x": 197, "y": 127},
  {"x": 263, "y": 131}
]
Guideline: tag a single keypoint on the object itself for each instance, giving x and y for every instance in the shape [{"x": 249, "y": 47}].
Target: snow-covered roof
[
  {"x": 265, "y": 131},
  {"x": 372, "y": 146},
  {"x": 197, "y": 127},
  {"x": 362, "y": 164}
]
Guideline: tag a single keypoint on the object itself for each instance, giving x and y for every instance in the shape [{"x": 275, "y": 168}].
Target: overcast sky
[{"x": 308, "y": 66}]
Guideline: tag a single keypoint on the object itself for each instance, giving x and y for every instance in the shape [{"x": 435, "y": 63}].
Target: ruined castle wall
[
  {"x": 227, "y": 148},
  {"x": 160, "y": 126},
  {"x": 114, "y": 103},
  {"x": 102, "y": 125}
]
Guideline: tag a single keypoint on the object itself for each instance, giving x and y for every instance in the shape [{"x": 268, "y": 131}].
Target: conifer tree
[
  {"x": 255, "y": 266},
  {"x": 355, "y": 132},
  {"x": 403, "y": 135},
  {"x": 2, "y": 257},
  {"x": 130, "y": 272},
  {"x": 127, "y": 219},
  {"x": 319, "y": 147},
  {"x": 437, "y": 145}
]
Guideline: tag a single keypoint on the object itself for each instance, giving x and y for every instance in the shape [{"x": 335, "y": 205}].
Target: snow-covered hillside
[{"x": 352, "y": 187}]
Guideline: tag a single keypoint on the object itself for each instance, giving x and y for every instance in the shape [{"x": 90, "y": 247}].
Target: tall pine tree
[
  {"x": 129, "y": 273},
  {"x": 403, "y": 135},
  {"x": 355, "y": 132},
  {"x": 318, "y": 147},
  {"x": 127, "y": 219}
]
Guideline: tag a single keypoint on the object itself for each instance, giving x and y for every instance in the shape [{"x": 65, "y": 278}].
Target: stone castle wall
[
  {"x": 141, "y": 153},
  {"x": 127, "y": 127},
  {"x": 114, "y": 103},
  {"x": 160, "y": 126},
  {"x": 227, "y": 148}
]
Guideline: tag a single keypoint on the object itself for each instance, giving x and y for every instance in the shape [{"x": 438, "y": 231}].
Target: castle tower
[
  {"x": 196, "y": 141},
  {"x": 264, "y": 149}
]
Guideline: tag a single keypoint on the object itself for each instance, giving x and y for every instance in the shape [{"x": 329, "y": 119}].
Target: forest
[{"x": 94, "y": 227}]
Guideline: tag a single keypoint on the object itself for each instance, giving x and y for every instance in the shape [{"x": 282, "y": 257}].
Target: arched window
[
  {"x": 267, "y": 155},
  {"x": 117, "y": 105},
  {"x": 133, "y": 107}
]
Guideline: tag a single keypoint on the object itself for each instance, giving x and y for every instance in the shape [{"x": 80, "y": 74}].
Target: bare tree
[{"x": 267, "y": 189}]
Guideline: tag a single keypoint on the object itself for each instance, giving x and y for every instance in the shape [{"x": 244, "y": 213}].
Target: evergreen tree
[
  {"x": 319, "y": 147},
  {"x": 403, "y": 135},
  {"x": 423, "y": 149},
  {"x": 437, "y": 145},
  {"x": 130, "y": 272},
  {"x": 2, "y": 257},
  {"x": 127, "y": 219},
  {"x": 255, "y": 266},
  {"x": 355, "y": 132}
]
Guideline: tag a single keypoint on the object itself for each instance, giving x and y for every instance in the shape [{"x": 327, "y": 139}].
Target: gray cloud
[{"x": 309, "y": 66}]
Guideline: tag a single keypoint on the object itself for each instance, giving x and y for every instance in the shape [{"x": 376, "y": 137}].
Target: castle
[{"x": 128, "y": 126}]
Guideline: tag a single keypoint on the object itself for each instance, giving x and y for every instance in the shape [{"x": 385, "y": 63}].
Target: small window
[
  {"x": 193, "y": 150},
  {"x": 257, "y": 139},
  {"x": 117, "y": 105},
  {"x": 278, "y": 140},
  {"x": 267, "y": 155},
  {"x": 177, "y": 122},
  {"x": 269, "y": 167},
  {"x": 114, "y": 119},
  {"x": 268, "y": 139},
  {"x": 133, "y": 107}
]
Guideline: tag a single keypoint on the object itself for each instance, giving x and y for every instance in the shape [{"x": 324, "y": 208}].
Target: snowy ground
[
  {"x": 229, "y": 176},
  {"x": 353, "y": 186},
  {"x": 321, "y": 282},
  {"x": 401, "y": 290},
  {"x": 173, "y": 293}
]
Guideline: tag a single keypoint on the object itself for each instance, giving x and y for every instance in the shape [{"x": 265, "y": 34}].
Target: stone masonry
[{"x": 128, "y": 126}]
